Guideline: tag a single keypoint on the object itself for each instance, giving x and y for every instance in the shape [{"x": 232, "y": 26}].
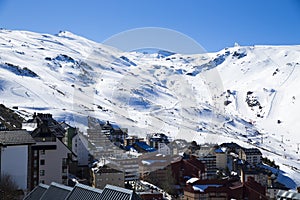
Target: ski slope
[{"x": 248, "y": 95}]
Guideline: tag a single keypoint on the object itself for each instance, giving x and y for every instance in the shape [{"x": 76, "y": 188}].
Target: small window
[
  {"x": 42, "y": 162},
  {"x": 34, "y": 174},
  {"x": 42, "y": 181},
  {"x": 42, "y": 172},
  {"x": 35, "y": 163},
  {"x": 43, "y": 152}
]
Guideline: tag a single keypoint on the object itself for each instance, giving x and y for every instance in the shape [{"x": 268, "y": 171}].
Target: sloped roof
[
  {"x": 46, "y": 122},
  {"x": 252, "y": 151},
  {"x": 85, "y": 192},
  {"x": 79, "y": 192},
  {"x": 195, "y": 163},
  {"x": 17, "y": 137},
  {"x": 114, "y": 192},
  {"x": 56, "y": 191},
  {"x": 105, "y": 169},
  {"x": 145, "y": 146},
  {"x": 288, "y": 194},
  {"x": 37, "y": 192},
  {"x": 231, "y": 145}
]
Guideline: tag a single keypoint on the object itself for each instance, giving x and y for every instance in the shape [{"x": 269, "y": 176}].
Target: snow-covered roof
[
  {"x": 29, "y": 126},
  {"x": 150, "y": 162},
  {"x": 202, "y": 188},
  {"x": 221, "y": 150},
  {"x": 288, "y": 194},
  {"x": 192, "y": 180}
]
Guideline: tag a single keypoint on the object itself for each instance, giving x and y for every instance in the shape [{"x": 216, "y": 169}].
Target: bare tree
[{"x": 8, "y": 188}]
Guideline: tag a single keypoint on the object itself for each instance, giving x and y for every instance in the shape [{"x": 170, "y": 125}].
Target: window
[
  {"x": 254, "y": 158},
  {"x": 42, "y": 162},
  {"x": 35, "y": 163},
  {"x": 42, "y": 181},
  {"x": 64, "y": 161},
  {"x": 43, "y": 152},
  {"x": 64, "y": 170},
  {"x": 42, "y": 172},
  {"x": 34, "y": 174}
]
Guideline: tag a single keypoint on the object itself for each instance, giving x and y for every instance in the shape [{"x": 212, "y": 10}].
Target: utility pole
[
  {"x": 298, "y": 147},
  {"x": 281, "y": 138}
]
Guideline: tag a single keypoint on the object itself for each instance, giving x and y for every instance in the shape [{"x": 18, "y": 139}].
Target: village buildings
[{"x": 52, "y": 155}]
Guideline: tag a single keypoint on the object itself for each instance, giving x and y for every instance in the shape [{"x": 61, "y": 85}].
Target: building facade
[
  {"x": 80, "y": 146},
  {"x": 252, "y": 155},
  {"x": 50, "y": 156},
  {"x": 104, "y": 175}
]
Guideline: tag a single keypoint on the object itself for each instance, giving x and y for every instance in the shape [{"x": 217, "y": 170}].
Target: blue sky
[{"x": 215, "y": 24}]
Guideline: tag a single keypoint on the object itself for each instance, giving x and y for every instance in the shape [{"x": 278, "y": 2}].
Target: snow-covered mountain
[{"x": 244, "y": 94}]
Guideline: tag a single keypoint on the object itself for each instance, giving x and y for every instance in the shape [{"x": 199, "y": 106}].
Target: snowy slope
[{"x": 245, "y": 94}]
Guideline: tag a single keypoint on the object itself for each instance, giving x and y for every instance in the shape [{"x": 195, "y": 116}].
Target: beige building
[
  {"x": 50, "y": 157},
  {"x": 50, "y": 162},
  {"x": 153, "y": 162},
  {"x": 221, "y": 158},
  {"x": 127, "y": 163},
  {"x": 252, "y": 155},
  {"x": 259, "y": 175},
  {"x": 106, "y": 175}
]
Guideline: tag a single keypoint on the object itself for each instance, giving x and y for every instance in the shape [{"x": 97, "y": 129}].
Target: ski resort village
[
  {"x": 82, "y": 120},
  {"x": 42, "y": 157}
]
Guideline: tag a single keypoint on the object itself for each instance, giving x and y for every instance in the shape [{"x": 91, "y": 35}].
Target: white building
[
  {"x": 80, "y": 146},
  {"x": 164, "y": 149},
  {"x": 15, "y": 157}
]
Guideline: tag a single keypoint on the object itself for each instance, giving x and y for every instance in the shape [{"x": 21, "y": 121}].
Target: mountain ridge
[{"x": 246, "y": 94}]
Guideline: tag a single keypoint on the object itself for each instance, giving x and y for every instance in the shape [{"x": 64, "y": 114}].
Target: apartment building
[{"x": 50, "y": 156}]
